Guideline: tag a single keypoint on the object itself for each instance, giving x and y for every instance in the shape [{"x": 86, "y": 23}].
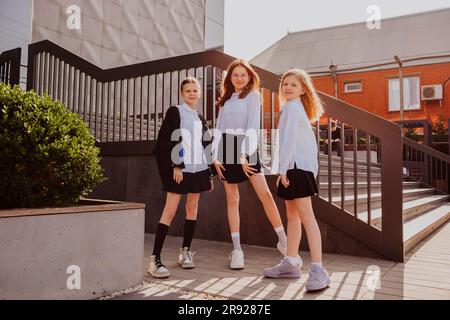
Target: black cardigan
[{"x": 164, "y": 144}]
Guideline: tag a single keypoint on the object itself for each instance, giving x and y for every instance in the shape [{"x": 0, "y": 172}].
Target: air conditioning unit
[{"x": 432, "y": 92}]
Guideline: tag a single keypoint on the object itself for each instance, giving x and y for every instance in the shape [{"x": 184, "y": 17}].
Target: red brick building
[
  {"x": 366, "y": 72},
  {"x": 375, "y": 92}
]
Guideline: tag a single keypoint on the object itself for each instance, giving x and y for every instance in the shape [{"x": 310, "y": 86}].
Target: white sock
[
  {"x": 281, "y": 235},
  {"x": 236, "y": 237},
  {"x": 319, "y": 264},
  {"x": 293, "y": 260}
]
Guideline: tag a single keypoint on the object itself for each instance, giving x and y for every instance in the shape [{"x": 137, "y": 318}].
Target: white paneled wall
[{"x": 117, "y": 32}]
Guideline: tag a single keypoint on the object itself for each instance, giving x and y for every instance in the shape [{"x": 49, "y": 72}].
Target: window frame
[{"x": 396, "y": 78}]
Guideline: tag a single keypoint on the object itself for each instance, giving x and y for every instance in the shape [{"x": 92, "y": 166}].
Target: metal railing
[
  {"x": 128, "y": 103},
  {"x": 124, "y": 103},
  {"x": 427, "y": 165},
  {"x": 10, "y": 66},
  {"x": 373, "y": 217}
]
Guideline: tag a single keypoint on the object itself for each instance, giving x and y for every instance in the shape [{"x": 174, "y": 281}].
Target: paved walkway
[{"x": 425, "y": 274}]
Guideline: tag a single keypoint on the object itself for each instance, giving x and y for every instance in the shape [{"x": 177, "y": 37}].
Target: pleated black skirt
[
  {"x": 233, "y": 169},
  {"x": 302, "y": 184},
  {"x": 192, "y": 183}
]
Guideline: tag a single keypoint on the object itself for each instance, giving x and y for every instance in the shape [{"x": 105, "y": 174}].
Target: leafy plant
[
  {"x": 47, "y": 155},
  {"x": 439, "y": 130},
  {"x": 410, "y": 133}
]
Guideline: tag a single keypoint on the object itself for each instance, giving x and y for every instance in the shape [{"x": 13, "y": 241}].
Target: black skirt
[
  {"x": 192, "y": 183},
  {"x": 233, "y": 169},
  {"x": 302, "y": 184}
]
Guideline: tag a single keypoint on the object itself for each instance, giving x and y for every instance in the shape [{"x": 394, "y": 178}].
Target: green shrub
[
  {"x": 47, "y": 155},
  {"x": 439, "y": 130},
  {"x": 411, "y": 133}
]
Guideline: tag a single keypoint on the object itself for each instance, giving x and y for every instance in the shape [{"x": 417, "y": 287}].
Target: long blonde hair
[{"x": 310, "y": 99}]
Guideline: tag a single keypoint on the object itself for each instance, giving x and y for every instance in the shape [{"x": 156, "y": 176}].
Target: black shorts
[
  {"x": 233, "y": 169},
  {"x": 302, "y": 184},
  {"x": 191, "y": 183}
]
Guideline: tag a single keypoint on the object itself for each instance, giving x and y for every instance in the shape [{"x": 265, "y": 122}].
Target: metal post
[
  {"x": 400, "y": 74},
  {"x": 333, "y": 71}
]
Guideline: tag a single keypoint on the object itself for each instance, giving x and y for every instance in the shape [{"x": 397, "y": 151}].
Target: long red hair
[{"x": 227, "y": 88}]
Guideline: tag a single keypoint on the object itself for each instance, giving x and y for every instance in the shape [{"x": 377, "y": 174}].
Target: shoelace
[
  {"x": 315, "y": 274},
  {"x": 158, "y": 263},
  {"x": 234, "y": 252},
  {"x": 189, "y": 255},
  {"x": 278, "y": 265}
]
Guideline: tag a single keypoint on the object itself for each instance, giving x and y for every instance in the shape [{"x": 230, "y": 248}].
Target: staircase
[{"x": 424, "y": 208}]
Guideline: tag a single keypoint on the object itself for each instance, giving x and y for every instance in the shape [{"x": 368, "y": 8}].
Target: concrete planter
[{"x": 80, "y": 252}]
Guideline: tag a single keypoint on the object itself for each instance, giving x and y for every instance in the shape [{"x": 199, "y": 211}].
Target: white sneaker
[
  {"x": 237, "y": 259},
  {"x": 283, "y": 251},
  {"x": 157, "y": 269},
  {"x": 186, "y": 258}
]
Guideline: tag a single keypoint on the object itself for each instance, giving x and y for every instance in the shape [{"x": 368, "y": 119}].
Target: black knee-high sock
[
  {"x": 189, "y": 228},
  {"x": 161, "y": 232}
]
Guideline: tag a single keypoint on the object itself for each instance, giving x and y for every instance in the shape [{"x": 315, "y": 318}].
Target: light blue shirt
[
  {"x": 297, "y": 142},
  {"x": 240, "y": 117},
  {"x": 191, "y": 132}
]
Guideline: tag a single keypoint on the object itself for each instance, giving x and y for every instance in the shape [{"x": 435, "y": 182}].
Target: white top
[
  {"x": 240, "y": 117},
  {"x": 297, "y": 144},
  {"x": 191, "y": 133}
]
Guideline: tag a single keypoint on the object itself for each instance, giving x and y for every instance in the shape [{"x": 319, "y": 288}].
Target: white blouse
[
  {"x": 240, "y": 117},
  {"x": 191, "y": 133},
  {"x": 297, "y": 142}
]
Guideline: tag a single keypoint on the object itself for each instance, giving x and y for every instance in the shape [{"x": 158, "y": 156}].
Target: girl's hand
[
  {"x": 248, "y": 170},
  {"x": 177, "y": 175},
  {"x": 284, "y": 180},
  {"x": 278, "y": 181},
  {"x": 219, "y": 167}
]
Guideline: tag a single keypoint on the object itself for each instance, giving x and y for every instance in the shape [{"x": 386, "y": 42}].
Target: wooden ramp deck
[{"x": 424, "y": 275}]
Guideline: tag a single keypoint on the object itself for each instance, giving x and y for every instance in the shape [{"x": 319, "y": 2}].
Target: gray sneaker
[
  {"x": 157, "y": 269},
  {"x": 186, "y": 258},
  {"x": 318, "y": 279},
  {"x": 283, "y": 250},
  {"x": 283, "y": 270}
]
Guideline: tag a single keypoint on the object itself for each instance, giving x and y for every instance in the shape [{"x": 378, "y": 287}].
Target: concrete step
[
  {"x": 362, "y": 187},
  {"x": 348, "y": 176},
  {"x": 348, "y": 168},
  {"x": 348, "y": 161},
  {"x": 411, "y": 208},
  {"x": 419, "y": 227},
  {"x": 375, "y": 199}
]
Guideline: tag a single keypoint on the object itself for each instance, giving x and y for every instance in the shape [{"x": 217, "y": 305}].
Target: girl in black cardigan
[{"x": 183, "y": 168}]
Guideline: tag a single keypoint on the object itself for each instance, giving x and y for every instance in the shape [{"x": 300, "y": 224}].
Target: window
[
  {"x": 411, "y": 94},
  {"x": 353, "y": 86}
]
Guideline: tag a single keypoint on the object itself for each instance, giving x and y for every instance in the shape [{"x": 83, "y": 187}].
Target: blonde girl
[
  {"x": 180, "y": 174},
  {"x": 297, "y": 168}
]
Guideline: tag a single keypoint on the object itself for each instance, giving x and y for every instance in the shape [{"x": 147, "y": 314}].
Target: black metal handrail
[
  {"x": 10, "y": 66},
  {"x": 427, "y": 165},
  {"x": 132, "y": 97},
  {"x": 211, "y": 57}
]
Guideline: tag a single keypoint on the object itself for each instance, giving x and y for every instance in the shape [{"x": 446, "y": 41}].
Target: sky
[{"x": 251, "y": 26}]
